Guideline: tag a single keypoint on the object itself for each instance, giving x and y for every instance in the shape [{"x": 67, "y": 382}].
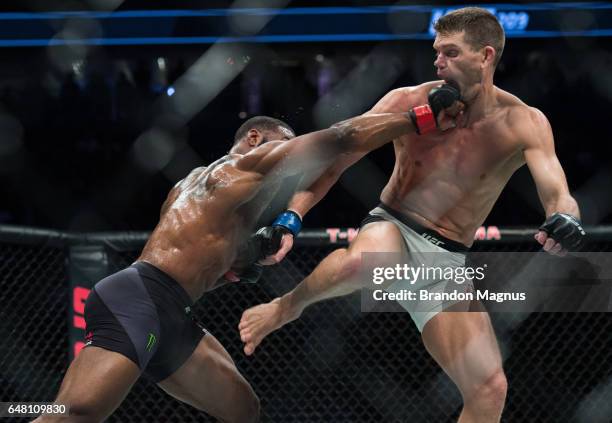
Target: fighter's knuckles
[
  {"x": 443, "y": 97},
  {"x": 566, "y": 229},
  {"x": 441, "y": 101},
  {"x": 549, "y": 244}
]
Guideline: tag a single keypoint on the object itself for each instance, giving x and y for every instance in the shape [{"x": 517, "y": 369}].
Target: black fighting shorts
[{"x": 144, "y": 314}]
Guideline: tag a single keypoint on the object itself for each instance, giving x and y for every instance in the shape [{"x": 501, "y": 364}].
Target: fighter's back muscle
[
  {"x": 209, "y": 197},
  {"x": 200, "y": 223}
]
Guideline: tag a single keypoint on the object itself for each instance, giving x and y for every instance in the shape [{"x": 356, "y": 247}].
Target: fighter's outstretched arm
[
  {"x": 317, "y": 150},
  {"x": 310, "y": 155},
  {"x": 561, "y": 208},
  {"x": 395, "y": 101}
]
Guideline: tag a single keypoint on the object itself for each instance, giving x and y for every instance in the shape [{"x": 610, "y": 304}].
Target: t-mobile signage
[{"x": 87, "y": 265}]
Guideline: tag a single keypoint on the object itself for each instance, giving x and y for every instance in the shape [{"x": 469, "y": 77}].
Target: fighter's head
[
  {"x": 259, "y": 130},
  {"x": 469, "y": 44}
]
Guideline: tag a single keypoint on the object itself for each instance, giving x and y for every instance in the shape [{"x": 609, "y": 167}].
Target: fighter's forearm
[
  {"x": 359, "y": 136},
  {"x": 368, "y": 132},
  {"x": 303, "y": 201},
  {"x": 315, "y": 152}
]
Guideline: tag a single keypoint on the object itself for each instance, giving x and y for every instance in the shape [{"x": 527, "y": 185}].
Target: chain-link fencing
[{"x": 334, "y": 364}]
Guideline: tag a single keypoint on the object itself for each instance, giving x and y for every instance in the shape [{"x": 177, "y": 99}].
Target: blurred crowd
[{"x": 74, "y": 152}]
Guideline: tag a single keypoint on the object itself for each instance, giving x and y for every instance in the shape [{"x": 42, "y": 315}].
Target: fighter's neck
[{"x": 480, "y": 105}]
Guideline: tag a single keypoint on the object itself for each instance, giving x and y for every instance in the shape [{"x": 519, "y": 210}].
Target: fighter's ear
[
  {"x": 254, "y": 137},
  {"x": 489, "y": 55}
]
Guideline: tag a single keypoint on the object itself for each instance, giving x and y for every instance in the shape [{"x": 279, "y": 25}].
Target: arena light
[
  {"x": 513, "y": 21},
  {"x": 370, "y": 23}
]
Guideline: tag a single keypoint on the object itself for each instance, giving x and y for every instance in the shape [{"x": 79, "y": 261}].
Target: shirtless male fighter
[
  {"x": 442, "y": 188},
  {"x": 138, "y": 320}
]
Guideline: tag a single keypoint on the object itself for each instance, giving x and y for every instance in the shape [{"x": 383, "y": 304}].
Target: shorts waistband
[
  {"x": 148, "y": 269},
  {"x": 429, "y": 234}
]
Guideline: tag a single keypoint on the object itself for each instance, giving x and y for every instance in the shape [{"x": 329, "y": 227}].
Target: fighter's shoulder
[
  {"x": 421, "y": 91},
  {"x": 197, "y": 171},
  {"x": 527, "y": 122},
  {"x": 194, "y": 173},
  {"x": 403, "y": 98},
  {"x": 250, "y": 161},
  {"x": 518, "y": 113}
]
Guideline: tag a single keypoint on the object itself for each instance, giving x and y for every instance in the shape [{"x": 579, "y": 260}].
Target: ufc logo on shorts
[{"x": 432, "y": 239}]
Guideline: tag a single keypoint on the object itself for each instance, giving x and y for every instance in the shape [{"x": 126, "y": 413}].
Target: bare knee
[
  {"x": 238, "y": 403},
  {"x": 496, "y": 388},
  {"x": 245, "y": 407},
  {"x": 252, "y": 408},
  {"x": 491, "y": 393}
]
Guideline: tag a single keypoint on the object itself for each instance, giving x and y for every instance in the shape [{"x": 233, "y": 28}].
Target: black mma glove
[
  {"x": 251, "y": 274},
  {"x": 425, "y": 118},
  {"x": 565, "y": 229},
  {"x": 266, "y": 241}
]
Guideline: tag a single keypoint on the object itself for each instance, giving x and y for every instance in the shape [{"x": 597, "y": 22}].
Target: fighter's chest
[{"x": 461, "y": 153}]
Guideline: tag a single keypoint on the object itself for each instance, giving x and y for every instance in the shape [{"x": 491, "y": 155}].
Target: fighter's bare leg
[
  {"x": 333, "y": 277},
  {"x": 95, "y": 384},
  {"x": 210, "y": 381},
  {"x": 464, "y": 345}
]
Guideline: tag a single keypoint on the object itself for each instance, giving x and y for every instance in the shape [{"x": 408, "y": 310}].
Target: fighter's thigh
[
  {"x": 210, "y": 381},
  {"x": 380, "y": 237},
  {"x": 375, "y": 237},
  {"x": 96, "y": 383},
  {"x": 465, "y": 346}
]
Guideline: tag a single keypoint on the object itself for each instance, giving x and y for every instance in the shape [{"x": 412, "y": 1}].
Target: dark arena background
[{"x": 105, "y": 105}]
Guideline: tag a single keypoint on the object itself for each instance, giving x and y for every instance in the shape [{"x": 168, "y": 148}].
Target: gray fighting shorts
[{"x": 425, "y": 246}]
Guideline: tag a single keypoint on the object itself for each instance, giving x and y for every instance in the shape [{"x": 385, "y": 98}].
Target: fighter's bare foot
[{"x": 259, "y": 321}]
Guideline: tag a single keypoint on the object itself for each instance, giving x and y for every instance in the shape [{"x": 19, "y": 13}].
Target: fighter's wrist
[
  {"x": 299, "y": 215},
  {"x": 290, "y": 220},
  {"x": 423, "y": 119}
]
